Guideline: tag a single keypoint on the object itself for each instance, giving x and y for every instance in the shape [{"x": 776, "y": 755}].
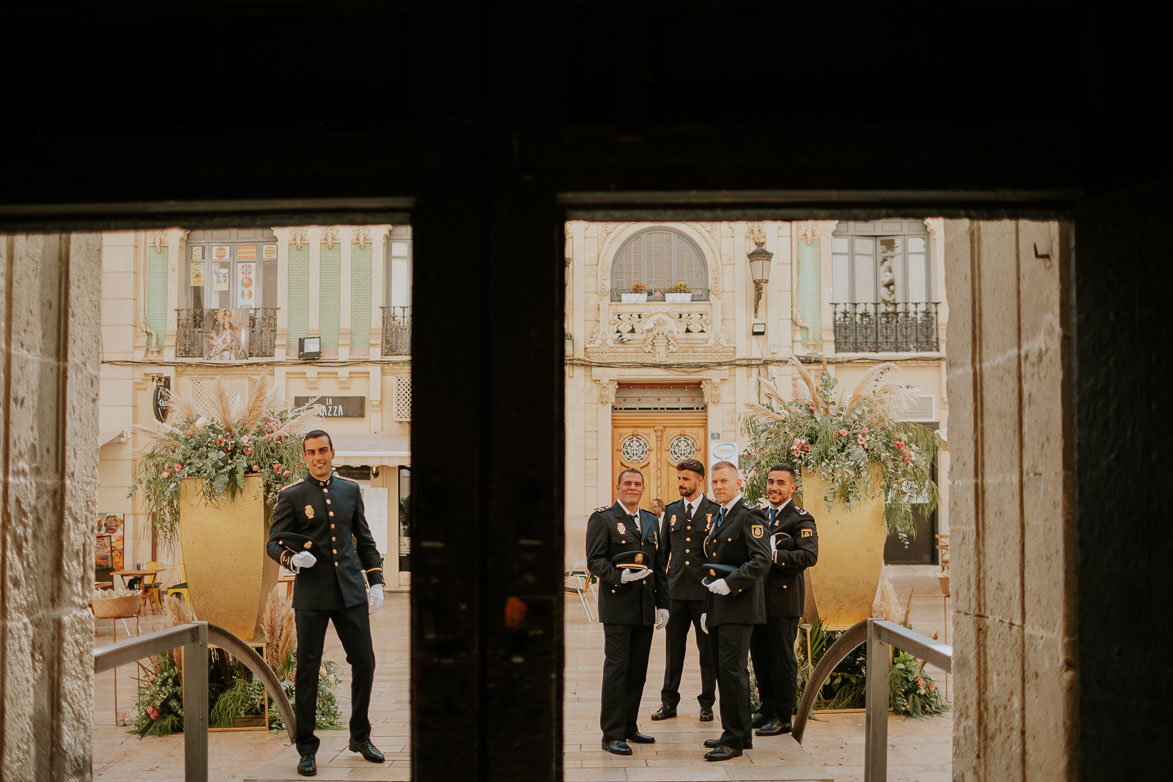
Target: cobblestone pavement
[{"x": 918, "y": 750}]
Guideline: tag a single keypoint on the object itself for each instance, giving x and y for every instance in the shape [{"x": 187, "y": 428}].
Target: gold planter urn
[
  {"x": 228, "y": 573},
  {"x": 851, "y": 551}
]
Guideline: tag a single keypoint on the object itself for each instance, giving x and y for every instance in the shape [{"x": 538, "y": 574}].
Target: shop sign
[
  {"x": 337, "y": 406},
  {"x": 159, "y": 402}
]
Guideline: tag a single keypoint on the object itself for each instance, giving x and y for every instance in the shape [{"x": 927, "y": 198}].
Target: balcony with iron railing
[
  {"x": 210, "y": 333},
  {"x": 876, "y": 327},
  {"x": 396, "y": 331}
]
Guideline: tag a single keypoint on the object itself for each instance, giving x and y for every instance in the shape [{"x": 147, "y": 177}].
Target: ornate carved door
[{"x": 655, "y": 443}]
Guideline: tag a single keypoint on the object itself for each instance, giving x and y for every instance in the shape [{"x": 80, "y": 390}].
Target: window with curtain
[
  {"x": 659, "y": 258},
  {"x": 880, "y": 262}
]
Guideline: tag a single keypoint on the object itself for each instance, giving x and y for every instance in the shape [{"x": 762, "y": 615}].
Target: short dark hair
[
  {"x": 785, "y": 468},
  {"x": 692, "y": 465},
  {"x": 626, "y": 470},
  {"x": 316, "y": 433}
]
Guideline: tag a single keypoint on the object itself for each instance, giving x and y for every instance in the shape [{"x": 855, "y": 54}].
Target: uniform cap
[
  {"x": 631, "y": 559},
  {"x": 714, "y": 571}
]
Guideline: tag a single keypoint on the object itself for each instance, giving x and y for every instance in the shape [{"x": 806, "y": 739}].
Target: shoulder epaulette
[
  {"x": 290, "y": 486},
  {"x": 601, "y": 508},
  {"x": 800, "y": 511}
]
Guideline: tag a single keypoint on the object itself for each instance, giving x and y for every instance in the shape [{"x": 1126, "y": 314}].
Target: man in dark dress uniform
[
  {"x": 329, "y": 587},
  {"x": 631, "y": 600},
  {"x": 682, "y": 535},
  {"x": 795, "y": 543},
  {"x": 737, "y": 540}
]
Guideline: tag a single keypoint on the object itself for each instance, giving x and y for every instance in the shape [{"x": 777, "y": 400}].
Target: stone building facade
[
  {"x": 323, "y": 311},
  {"x": 651, "y": 379}
]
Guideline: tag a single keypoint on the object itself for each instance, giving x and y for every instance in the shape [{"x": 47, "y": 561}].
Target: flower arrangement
[
  {"x": 680, "y": 287},
  {"x": 159, "y": 705},
  {"x": 843, "y": 439},
  {"x": 222, "y": 448},
  {"x": 639, "y": 287},
  {"x": 910, "y": 691}
]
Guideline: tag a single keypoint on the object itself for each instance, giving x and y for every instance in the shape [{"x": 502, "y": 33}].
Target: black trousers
[
  {"x": 353, "y": 626},
  {"x": 775, "y": 666},
  {"x": 681, "y": 615},
  {"x": 626, "y": 649},
  {"x": 730, "y": 643}
]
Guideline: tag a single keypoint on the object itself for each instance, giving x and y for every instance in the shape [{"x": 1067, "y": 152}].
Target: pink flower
[
  {"x": 178, "y": 467},
  {"x": 285, "y": 474},
  {"x": 256, "y": 467},
  {"x": 899, "y": 444},
  {"x": 151, "y": 710},
  {"x": 190, "y": 432},
  {"x": 860, "y": 441},
  {"x": 932, "y": 688},
  {"x": 806, "y": 447},
  {"x": 907, "y": 458},
  {"x": 246, "y": 439},
  {"x": 278, "y": 437},
  {"x": 863, "y": 430},
  {"x": 920, "y": 682},
  {"x": 248, "y": 451},
  {"x": 166, "y": 474},
  {"x": 842, "y": 432},
  {"x": 276, "y": 468}
]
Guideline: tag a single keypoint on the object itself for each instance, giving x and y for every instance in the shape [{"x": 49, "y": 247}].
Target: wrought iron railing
[
  {"x": 193, "y": 326},
  {"x": 907, "y": 327},
  {"x": 397, "y": 331}
]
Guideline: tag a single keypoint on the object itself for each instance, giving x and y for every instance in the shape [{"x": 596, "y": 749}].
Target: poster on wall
[
  {"x": 246, "y": 252},
  {"x": 246, "y": 284},
  {"x": 269, "y": 252},
  {"x": 221, "y": 252},
  {"x": 109, "y": 551},
  {"x": 220, "y": 277},
  {"x": 227, "y": 338},
  {"x": 197, "y": 274},
  {"x": 197, "y": 252}
]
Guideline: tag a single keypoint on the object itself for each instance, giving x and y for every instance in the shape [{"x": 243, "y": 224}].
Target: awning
[
  {"x": 373, "y": 450},
  {"x": 113, "y": 436}
]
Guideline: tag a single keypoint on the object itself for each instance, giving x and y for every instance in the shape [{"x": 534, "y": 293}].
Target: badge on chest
[{"x": 309, "y": 511}]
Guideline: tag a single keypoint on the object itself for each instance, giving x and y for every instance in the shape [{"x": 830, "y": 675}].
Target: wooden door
[{"x": 654, "y": 443}]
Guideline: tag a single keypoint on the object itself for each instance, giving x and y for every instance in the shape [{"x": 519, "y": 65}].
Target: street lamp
[{"x": 759, "y": 269}]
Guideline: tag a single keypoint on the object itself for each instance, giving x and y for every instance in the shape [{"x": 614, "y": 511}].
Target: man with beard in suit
[
  {"x": 738, "y": 555},
  {"x": 682, "y": 534},
  {"x": 795, "y": 547},
  {"x": 621, "y": 543}
]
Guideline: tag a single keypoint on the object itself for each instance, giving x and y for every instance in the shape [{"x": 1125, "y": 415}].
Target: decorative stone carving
[
  {"x": 298, "y": 237},
  {"x": 712, "y": 391},
  {"x": 659, "y": 336},
  {"x": 607, "y": 389},
  {"x": 362, "y": 236},
  {"x": 755, "y": 234},
  {"x": 330, "y": 236},
  {"x": 596, "y": 338},
  {"x": 159, "y": 240},
  {"x": 805, "y": 231}
]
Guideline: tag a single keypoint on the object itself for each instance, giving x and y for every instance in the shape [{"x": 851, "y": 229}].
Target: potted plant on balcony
[
  {"x": 210, "y": 480},
  {"x": 678, "y": 293},
  {"x": 639, "y": 292},
  {"x": 862, "y": 473}
]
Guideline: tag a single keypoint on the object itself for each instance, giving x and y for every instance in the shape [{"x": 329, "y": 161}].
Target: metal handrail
[
  {"x": 881, "y": 634},
  {"x": 194, "y": 638}
]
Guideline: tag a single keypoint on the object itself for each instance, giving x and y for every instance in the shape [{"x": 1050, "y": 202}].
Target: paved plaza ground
[{"x": 919, "y": 750}]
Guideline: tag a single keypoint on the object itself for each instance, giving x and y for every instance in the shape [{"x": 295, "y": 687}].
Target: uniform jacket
[
  {"x": 798, "y": 549},
  {"x": 329, "y": 512},
  {"x": 740, "y": 541},
  {"x": 682, "y": 548},
  {"x": 610, "y": 532}
]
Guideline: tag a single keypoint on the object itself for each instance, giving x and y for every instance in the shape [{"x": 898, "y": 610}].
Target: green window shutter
[
  {"x": 360, "y": 295},
  {"x": 329, "y": 295},
  {"x": 298, "y": 300},
  {"x": 157, "y": 293},
  {"x": 810, "y": 287}
]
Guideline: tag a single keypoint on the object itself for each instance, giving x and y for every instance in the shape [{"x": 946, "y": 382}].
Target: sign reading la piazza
[{"x": 337, "y": 406}]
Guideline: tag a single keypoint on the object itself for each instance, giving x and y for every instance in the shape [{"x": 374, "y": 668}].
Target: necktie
[
  {"x": 772, "y": 512},
  {"x": 635, "y": 520},
  {"x": 720, "y": 516},
  {"x": 688, "y": 511}
]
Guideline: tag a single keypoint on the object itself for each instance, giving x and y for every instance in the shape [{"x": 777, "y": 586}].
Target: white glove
[
  {"x": 302, "y": 559},
  {"x": 704, "y": 626},
  {"x": 375, "y": 598},
  {"x": 634, "y": 575},
  {"x": 719, "y": 587},
  {"x": 661, "y": 618}
]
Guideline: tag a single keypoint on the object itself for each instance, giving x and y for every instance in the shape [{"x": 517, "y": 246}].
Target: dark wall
[{"x": 128, "y": 113}]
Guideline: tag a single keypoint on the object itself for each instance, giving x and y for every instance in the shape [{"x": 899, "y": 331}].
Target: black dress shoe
[
  {"x": 773, "y": 728},
  {"x": 640, "y": 738},
  {"x": 308, "y": 767},
  {"x": 722, "y": 752},
  {"x": 758, "y": 720},
  {"x": 618, "y": 747},
  {"x": 367, "y": 750},
  {"x": 665, "y": 712},
  {"x": 706, "y": 713},
  {"x": 717, "y": 743}
]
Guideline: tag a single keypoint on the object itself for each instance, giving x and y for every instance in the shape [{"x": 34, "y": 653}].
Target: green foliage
[
  {"x": 910, "y": 692},
  {"x": 327, "y": 715},
  {"x": 222, "y": 457},
  {"x": 246, "y": 697},
  {"x": 159, "y": 706},
  {"x": 843, "y": 441}
]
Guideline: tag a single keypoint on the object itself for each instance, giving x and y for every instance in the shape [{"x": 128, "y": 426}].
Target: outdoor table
[{"x": 133, "y": 573}]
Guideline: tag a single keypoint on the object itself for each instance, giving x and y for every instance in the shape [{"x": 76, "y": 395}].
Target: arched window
[{"x": 659, "y": 258}]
